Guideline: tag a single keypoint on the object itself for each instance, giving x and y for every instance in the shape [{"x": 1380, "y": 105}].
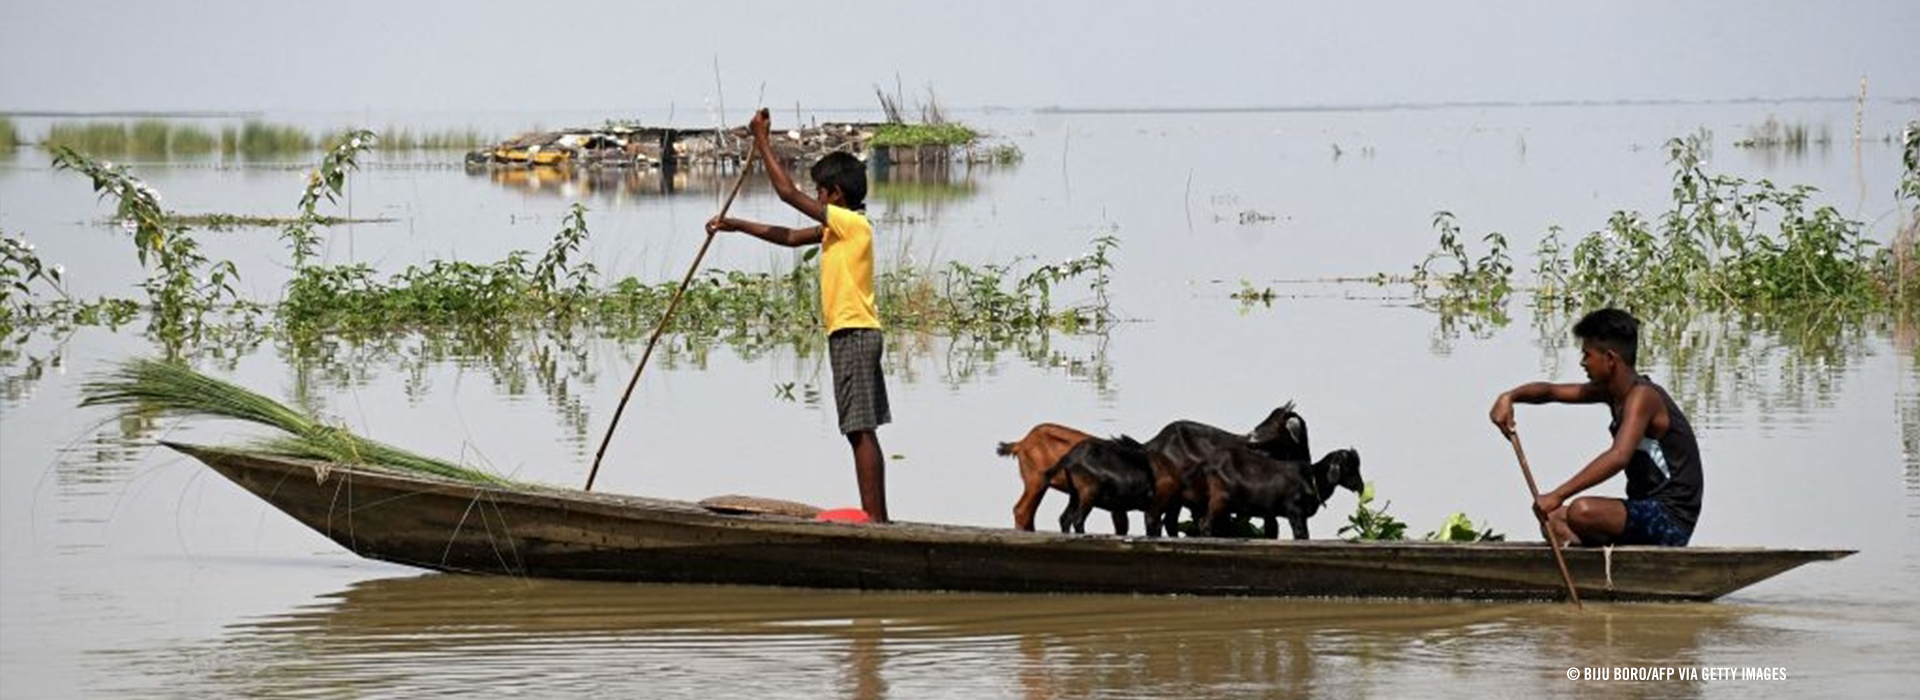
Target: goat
[
  {"x": 1244, "y": 481},
  {"x": 1179, "y": 450},
  {"x": 1109, "y": 473},
  {"x": 1037, "y": 453}
]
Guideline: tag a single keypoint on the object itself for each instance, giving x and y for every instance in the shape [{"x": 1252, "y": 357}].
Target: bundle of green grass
[{"x": 148, "y": 386}]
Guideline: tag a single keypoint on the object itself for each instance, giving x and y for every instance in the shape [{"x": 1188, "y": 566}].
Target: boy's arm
[
  {"x": 778, "y": 235},
  {"x": 1540, "y": 392},
  {"x": 1641, "y": 406},
  {"x": 777, "y": 173}
]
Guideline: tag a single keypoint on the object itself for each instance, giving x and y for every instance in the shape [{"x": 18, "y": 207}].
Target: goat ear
[{"x": 1297, "y": 428}]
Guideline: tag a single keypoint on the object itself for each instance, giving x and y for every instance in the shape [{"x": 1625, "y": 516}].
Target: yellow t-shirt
[{"x": 846, "y": 271}]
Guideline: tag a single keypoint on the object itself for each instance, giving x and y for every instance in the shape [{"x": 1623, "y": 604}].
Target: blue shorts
[{"x": 1648, "y": 523}]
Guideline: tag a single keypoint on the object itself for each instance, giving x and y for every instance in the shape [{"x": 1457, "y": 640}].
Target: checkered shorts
[{"x": 859, "y": 388}]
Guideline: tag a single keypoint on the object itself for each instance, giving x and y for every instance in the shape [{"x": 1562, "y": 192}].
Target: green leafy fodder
[
  {"x": 1459, "y": 528},
  {"x": 1369, "y": 524},
  {"x": 156, "y": 386}
]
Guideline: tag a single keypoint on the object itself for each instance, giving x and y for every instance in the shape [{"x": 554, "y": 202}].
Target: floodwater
[{"x": 131, "y": 571}]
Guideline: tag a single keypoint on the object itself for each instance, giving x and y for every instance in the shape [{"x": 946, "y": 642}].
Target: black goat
[
  {"x": 1183, "y": 446},
  {"x": 1242, "y": 481},
  {"x": 1109, "y": 473}
]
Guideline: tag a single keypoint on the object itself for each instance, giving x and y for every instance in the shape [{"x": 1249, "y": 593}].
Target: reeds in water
[
  {"x": 147, "y": 137},
  {"x": 405, "y": 139}
]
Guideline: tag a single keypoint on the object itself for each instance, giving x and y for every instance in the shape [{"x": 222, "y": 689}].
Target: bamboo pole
[
  {"x": 746, "y": 167},
  {"x": 1513, "y": 436}
]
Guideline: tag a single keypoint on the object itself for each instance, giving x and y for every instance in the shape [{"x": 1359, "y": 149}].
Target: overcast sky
[{"x": 625, "y": 56}]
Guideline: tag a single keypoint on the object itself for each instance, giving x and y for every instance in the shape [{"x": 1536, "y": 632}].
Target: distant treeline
[{"x": 159, "y": 137}]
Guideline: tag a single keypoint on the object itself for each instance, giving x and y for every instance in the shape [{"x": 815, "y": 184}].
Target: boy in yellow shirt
[{"x": 854, "y": 343}]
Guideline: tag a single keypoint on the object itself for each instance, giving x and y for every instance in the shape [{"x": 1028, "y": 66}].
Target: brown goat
[{"x": 1042, "y": 448}]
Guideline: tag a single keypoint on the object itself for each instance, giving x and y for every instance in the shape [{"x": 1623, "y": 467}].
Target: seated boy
[{"x": 1652, "y": 441}]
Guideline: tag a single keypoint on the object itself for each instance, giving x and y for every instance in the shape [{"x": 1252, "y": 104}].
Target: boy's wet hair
[
  {"x": 1611, "y": 329},
  {"x": 840, "y": 170}
]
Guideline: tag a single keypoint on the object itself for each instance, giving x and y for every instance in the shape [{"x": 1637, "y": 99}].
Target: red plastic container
[{"x": 843, "y": 515}]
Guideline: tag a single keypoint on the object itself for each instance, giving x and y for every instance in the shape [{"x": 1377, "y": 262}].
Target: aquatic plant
[
  {"x": 191, "y": 139},
  {"x": 327, "y": 180},
  {"x": 752, "y": 307},
  {"x": 20, "y": 268},
  {"x": 1901, "y": 261},
  {"x": 100, "y": 138},
  {"x": 448, "y": 292},
  {"x": 405, "y": 139},
  {"x": 579, "y": 278},
  {"x": 1250, "y": 295},
  {"x": 225, "y": 222},
  {"x": 922, "y": 135},
  {"x": 1794, "y": 137},
  {"x": 1725, "y": 242},
  {"x": 1474, "y": 291},
  {"x": 148, "y": 137},
  {"x": 1005, "y": 154},
  {"x": 259, "y": 139},
  {"x": 183, "y": 284},
  {"x": 148, "y": 386},
  {"x": 9, "y": 136}
]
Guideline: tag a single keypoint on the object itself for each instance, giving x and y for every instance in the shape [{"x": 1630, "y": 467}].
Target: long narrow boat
[{"x": 557, "y": 533}]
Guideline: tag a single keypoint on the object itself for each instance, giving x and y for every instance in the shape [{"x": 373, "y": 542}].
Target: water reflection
[
  {"x": 401, "y": 637},
  {"x": 1906, "y": 344},
  {"x": 910, "y": 193},
  {"x": 580, "y": 182}
]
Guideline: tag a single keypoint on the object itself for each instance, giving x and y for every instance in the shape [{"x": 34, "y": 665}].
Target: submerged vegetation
[
  {"x": 1726, "y": 243},
  {"x": 526, "y": 313},
  {"x": 188, "y": 293},
  {"x": 183, "y": 286},
  {"x": 9, "y": 137},
  {"x": 250, "y": 138},
  {"x": 225, "y": 222},
  {"x": 1738, "y": 280},
  {"x": 1790, "y": 137}
]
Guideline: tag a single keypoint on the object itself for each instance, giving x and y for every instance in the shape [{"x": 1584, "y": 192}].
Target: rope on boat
[{"x": 1606, "y": 555}]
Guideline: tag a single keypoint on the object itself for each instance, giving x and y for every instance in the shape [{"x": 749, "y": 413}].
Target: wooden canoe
[{"x": 567, "y": 534}]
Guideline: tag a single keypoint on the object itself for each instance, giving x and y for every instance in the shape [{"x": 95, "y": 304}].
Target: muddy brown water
[{"x": 130, "y": 571}]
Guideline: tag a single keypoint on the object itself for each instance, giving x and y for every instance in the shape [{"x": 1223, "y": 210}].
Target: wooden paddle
[
  {"x": 1513, "y": 436},
  {"x": 746, "y": 167}
]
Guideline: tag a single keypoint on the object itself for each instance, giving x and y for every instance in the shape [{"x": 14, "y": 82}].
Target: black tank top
[{"x": 1667, "y": 468}]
